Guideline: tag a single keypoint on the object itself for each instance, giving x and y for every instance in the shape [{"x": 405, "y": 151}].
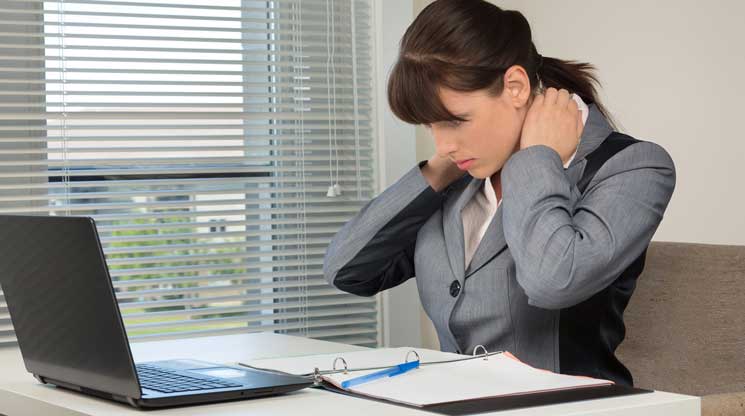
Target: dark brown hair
[{"x": 467, "y": 45}]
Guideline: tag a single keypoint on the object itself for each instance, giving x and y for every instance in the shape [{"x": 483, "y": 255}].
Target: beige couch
[{"x": 686, "y": 324}]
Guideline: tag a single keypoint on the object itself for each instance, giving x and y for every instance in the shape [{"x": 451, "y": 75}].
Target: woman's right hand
[{"x": 441, "y": 172}]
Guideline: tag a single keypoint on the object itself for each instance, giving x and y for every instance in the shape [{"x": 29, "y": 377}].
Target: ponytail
[{"x": 576, "y": 77}]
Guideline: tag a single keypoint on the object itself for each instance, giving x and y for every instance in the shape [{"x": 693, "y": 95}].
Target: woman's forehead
[{"x": 460, "y": 101}]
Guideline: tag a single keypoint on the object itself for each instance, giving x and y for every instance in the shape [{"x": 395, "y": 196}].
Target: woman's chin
[{"x": 481, "y": 173}]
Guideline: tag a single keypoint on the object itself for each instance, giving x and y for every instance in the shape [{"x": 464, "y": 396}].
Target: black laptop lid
[{"x": 62, "y": 303}]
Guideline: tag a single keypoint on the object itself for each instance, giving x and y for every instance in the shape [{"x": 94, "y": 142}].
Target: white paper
[{"x": 500, "y": 375}]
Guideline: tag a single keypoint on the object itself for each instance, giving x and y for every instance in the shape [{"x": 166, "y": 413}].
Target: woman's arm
[
  {"x": 374, "y": 251},
  {"x": 568, "y": 247}
]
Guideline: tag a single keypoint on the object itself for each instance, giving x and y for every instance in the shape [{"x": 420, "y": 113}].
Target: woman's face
[{"x": 482, "y": 144}]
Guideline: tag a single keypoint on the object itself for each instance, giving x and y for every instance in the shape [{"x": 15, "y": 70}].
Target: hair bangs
[{"x": 413, "y": 93}]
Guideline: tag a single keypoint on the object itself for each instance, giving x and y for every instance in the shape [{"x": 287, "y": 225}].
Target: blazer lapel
[
  {"x": 595, "y": 131},
  {"x": 491, "y": 244},
  {"x": 453, "y": 228}
]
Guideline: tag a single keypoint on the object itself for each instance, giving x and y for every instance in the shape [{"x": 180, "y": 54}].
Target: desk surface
[{"x": 21, "y": 394}]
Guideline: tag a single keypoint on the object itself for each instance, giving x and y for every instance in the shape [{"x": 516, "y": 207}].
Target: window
[{"x": 203, "y": 137}]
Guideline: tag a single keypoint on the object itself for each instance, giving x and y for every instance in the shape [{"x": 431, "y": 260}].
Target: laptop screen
[{"x": 62, "y": 303}]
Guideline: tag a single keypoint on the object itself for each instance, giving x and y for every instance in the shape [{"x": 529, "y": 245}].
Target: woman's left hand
[{"x": 553, "y": 120}]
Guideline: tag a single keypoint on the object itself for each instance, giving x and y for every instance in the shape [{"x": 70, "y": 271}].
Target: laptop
[{"x": 70, "y": 332}]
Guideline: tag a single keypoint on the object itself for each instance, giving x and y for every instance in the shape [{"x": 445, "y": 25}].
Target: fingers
[
  {"x": 573, "y": 105},
  {"x": 562, "y": 100},
  {"x": 561, "y": 97},
  {"x": 536, "y": 105},
  {"x": 539, "y": 99},
  {"x": 550, "y": 96}
]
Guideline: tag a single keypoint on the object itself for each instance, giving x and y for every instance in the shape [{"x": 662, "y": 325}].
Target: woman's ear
[{"x": 516, "y": 86}]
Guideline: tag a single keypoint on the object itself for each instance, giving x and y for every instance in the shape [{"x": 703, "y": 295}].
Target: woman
[{"x": 537, "y": 248}]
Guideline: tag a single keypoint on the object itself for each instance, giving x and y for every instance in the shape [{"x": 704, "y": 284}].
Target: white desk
[{"x": 22, "y": 395}]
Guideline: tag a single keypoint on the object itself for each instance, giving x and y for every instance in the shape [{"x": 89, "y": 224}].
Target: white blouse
[{"x": 479, "y": 211}]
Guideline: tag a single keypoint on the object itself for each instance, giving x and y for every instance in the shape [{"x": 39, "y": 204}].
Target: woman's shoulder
[
  {"x": 632, "y": 166},
  {"x": 638, "y": 153},
  {"x": 641, "y": 171}
]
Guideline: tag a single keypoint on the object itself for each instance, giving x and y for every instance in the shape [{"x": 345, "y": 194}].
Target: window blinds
[{"x": 205, "y": 138}]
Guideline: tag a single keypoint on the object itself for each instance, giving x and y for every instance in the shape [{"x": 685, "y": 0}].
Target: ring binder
[
  {"x": 486, "y": 353},
  {"x": 488, "y": 381},
  {"x": 346, "y": 369}
]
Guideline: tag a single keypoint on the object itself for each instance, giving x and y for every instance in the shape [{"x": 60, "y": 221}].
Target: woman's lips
[{"x": 464, "y": 164}]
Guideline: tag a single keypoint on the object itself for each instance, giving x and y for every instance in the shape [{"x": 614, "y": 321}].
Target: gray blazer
[{"x": 547, "y": 248}]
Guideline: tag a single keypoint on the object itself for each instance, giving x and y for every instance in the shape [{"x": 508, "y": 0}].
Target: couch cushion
[
  {"x": 727, "y": 404},
  {"x": 685, "y": 324}
]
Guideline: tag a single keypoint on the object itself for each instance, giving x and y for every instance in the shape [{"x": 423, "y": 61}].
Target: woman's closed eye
[{"x": 453, "y": 123}]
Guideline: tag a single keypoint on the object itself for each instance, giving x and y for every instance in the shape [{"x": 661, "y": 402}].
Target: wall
[{"x": 401, "y": 310}]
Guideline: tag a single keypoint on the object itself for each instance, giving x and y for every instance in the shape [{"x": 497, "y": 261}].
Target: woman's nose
[{"x": 445, "y": 145}]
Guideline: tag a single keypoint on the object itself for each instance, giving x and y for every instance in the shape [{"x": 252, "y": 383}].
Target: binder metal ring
[
  {"x": 343, "y": 362},
  {"x": 486, "y": 353},
  {"x": 415, "y": 353}
]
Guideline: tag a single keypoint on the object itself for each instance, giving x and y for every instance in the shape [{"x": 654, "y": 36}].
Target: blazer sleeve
[
  {"x": 568, "y": 246},
  {"x": 374, "y": 251}
]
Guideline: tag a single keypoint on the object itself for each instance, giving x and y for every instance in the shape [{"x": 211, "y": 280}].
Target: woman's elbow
[
  {"x": 344, "y": 279},
  {"x": 553, "y": 293},
  {"x": 330, "y": 268},
  {"x": 552, "y": 302}
]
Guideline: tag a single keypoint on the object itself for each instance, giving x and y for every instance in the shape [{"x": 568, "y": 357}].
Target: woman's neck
[{"x": 496, "y": 184}]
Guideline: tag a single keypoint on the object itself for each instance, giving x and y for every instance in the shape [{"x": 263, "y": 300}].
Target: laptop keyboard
[{"x": 170, "y": 381}]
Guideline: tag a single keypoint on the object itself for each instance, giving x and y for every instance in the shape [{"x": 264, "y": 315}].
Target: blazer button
[{"x": 455, "y": 288}]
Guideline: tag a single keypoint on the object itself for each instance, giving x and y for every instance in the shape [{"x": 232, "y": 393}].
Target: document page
[{"x": 500, "y": 375}]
